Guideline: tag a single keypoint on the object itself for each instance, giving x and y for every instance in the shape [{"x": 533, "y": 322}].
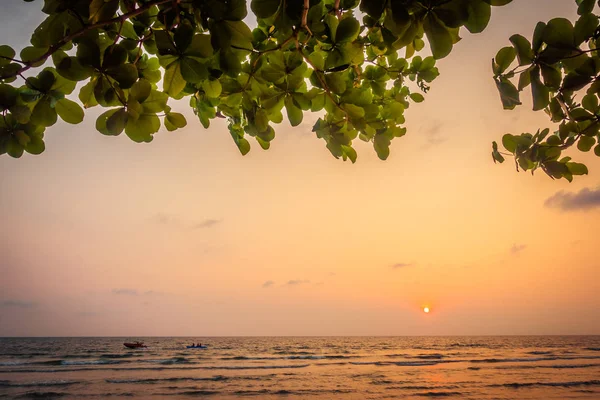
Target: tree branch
[
  {"x": 336, "y": 8},
  {"x": 55, "y": 47}
]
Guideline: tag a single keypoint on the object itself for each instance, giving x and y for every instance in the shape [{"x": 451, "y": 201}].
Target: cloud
[
  {"x": 173, "y": 220},
  {"x": 207, "y": 223},
  {"x": 585, "y": 199},
  {"x": 164, "y": 219},
  {"x": 517, "y": 248},
  {"x": 401, "y": 265},
  {"x": 18, "y": 303},
  {"x": 126, "y": 292},
  {"x": 268, "y": 284},
  {"x": 296, "y": 282},
  {"x": 433, "y": 134}
]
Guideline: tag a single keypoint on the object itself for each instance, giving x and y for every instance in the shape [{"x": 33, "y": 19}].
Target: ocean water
[{"x": 517, "y": 367}]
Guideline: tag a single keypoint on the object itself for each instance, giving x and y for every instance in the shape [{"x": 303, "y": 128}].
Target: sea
[{"x": 491, "y": 367}]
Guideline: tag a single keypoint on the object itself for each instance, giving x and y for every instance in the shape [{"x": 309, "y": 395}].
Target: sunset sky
[{"x": 184, "y": 236}]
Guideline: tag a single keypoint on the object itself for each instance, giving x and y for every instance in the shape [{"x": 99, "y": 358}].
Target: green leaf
[
  {"x": 140, "y": 90},
  {"x": 241, "y": 35},
  {"x": 43, "y": 114},
  {"x": 584, "y": 28},
  {"x": 508, "y": 94},
  {"x": 69, "y": 111},
  {"x": 294, "y": 113},
  {"x": 142, "y": 129},
  {"x": 264, "y": 8},
  {"x": 417, "y": 97},
  {"x": 243, "y": 145},
  {"x": 35, "y": 146},
  {"x": 585, "y": 6},
  {"x": 577, "y": 168},
  {"x": 504, "y": 58},
  {"x": 523, "y": 47},
  {"x": 373, "y": 8},
  {"x": 347, "y": 30},
  {"x": 14, "y": 148},
  {"x": 183, "y": 35},
  {"x": 6, "y": 54},
  {"x": 102, "y": 120},
  {"x": 559, "y": 33},
  {"x": 70, "y": 68},
  {"x": 539, "y": 91},
  {"x": 30, "y": 53},
  {"x": 21, "y": 113},
  {"x": 8, "y": 96},
  {"x": 86, "y": 95},
  {"x": 164, "y": 43},
  {"x": 156, "y": 102},
  {"x": 174, "y": 121},
  {"x": 590, "y": 103},
  {"x": 117, "y": 122},
  {"x": 212, "y": 88},
  {"x": 552, "y": 77},
  {"x": 200, "y": 47},
  {"x": 125, "y": 74},
  {"x": 192, "y": 70},
  {"x": 173, "y": 82},
  {"x": 114, "y": 56},
  {"x": 438, "y": 35},
  {"x": 586, "y": 143},
  {"x": 45, "y": 81},
  {"x": 509, "y": 142},
  {"x": 479, "y": 16},
  {"x": 102, "y": 10}
]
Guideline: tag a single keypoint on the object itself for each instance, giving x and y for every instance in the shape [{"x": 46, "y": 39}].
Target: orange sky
[{"x": 103, "y": 236}]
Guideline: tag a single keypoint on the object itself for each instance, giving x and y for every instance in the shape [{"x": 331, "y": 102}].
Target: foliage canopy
[{"x": 355, "y": 61}]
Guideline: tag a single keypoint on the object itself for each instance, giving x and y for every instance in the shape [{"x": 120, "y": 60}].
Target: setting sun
[{"x": 426, "y": 310}]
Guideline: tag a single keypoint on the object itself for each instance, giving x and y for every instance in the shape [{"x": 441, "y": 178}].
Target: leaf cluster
[
  {"x": 354, "y": 61},
  {"x": 561, "y": 67}
]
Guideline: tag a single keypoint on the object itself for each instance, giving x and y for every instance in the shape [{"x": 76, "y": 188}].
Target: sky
[{"x": 101, "y": 236}]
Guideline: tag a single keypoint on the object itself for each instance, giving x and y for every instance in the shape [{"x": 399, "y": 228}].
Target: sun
[{"x": 426, "y": 310}]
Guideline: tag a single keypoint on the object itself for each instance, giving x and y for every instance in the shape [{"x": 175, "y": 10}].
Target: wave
[
  {"x": 555, "y": 366},
  {"x": 540, "y": 352},
  {"x": 293, "y": 357},
  {"x": 164, "y": 380},
  {"x": 430, "y": 356},
  {"x": 295, "y": 353},
  {"x": 438, "y": 394},
  {"x": 41, "y": 395},
  {"x": 58, "y": 362},
  {"x": 593, "y": 348},
  {"x": 40, "y": 383},
  {"x": 399, "y": 363},
  {"x": 121, "y": 355},
  {"x": 168, "y": 361},
  {"x": 234, "y": 367},
  {"x": 518, "y": 385},
  {"x": 198, "y": 393},
  {"x": 532, "y": 359}
]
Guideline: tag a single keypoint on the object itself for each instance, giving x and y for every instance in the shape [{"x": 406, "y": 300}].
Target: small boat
[
  {"x": 196, "y": 347},
  {"x": 135, "y": 345}
]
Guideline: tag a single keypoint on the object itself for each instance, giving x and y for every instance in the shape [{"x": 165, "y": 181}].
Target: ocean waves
[
  {"x": 294, "y": 368},
  {"x": 518, "y": 385}
]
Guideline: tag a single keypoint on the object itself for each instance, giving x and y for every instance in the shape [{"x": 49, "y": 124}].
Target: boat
[
  {"x": 196, "y": 347},
  {"x": 135, "y": 345}
]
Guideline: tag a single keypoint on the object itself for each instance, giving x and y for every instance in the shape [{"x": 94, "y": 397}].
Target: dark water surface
[{"x": 517, "y": 367}]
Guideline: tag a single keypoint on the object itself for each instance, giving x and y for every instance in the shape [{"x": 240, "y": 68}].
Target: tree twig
[{"x": 55, "y": 47}]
